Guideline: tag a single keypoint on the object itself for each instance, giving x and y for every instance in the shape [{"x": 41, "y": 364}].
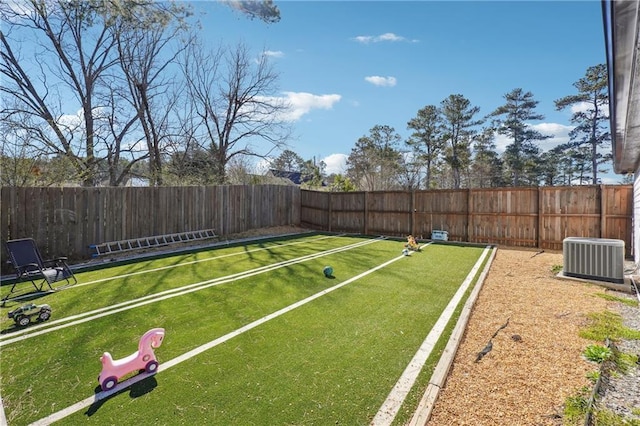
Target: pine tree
[
  {"x": 426, "y": 140},
  {"x": 590, "y": 116},
  {"x": 512, "y": 121},
  {"x": 458, "y": 121}
]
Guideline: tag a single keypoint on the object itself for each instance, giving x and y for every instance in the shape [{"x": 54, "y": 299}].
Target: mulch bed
[{"x": 536, "y": 361}]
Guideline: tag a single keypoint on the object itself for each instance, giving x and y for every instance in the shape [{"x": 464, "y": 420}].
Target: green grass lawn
[{"x": 330, "y": 361}]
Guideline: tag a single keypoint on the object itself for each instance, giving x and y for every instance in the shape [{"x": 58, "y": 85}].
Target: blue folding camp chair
[{"x": 25, "y": 258}]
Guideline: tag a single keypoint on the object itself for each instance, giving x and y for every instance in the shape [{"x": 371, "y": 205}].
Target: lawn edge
[{"x": 423, "y": 412}]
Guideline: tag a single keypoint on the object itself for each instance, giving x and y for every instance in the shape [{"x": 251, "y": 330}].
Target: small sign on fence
[{"x": 439, "y": 235}]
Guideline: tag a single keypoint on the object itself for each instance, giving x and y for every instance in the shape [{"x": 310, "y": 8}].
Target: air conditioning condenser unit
[{"x": 598, "y": 259}]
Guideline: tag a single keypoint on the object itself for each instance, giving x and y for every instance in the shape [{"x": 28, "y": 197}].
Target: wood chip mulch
[{"x": 534, "y": 362}]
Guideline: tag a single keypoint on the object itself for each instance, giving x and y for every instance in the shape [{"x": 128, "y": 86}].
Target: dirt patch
[{"x": 536, "y": 361}]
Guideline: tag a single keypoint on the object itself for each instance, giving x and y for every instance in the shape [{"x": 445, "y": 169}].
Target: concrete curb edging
[{"x": 440, "y": 373}]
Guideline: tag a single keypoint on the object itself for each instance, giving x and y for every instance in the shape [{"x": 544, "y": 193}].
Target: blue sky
[{"x": 347, "y": 66}]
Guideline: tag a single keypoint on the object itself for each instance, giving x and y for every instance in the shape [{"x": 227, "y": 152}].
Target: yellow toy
[{"x": 412, "y": 244}]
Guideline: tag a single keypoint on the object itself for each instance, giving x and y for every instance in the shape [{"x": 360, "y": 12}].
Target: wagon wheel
[
  {"x": 44, "y": 315},
  {"x": 151, "y": 366},
  {"x": 109, "y": 383},
  {"x": 23, "y": 320}
]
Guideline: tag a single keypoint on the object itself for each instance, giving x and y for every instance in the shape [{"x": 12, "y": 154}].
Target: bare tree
[
  {"x": 150, "y": 88},
  {"x": 19, "y": 166},
  {"x": 76, "y": 50},
  {"x": 410, "y": 170},
  {"x": 81, "y": 49},
  {"x": 66, "y": 60},
  {"x": 241, "y": 172},
  {"x": 233, "y": 95},
  {"x": 118, "y": 134}
]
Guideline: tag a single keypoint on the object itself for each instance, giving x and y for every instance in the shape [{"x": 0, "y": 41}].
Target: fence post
[
  {"x": 603, "y": 211},
  {"x": 330, "y": 214},
  {"x": 365, "y": 221},
  {"x": 412, "y": 225},
  {"x": 467, "y": 229},
  {"x": 539, "y": 213}
]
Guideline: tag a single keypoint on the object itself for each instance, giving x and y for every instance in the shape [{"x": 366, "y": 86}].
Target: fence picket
[{"x": 66, "y": 221}]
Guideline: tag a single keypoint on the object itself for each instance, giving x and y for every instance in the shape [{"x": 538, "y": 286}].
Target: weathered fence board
[
  {"x": 617, "y": 205},
  {"x": 569, "y": 212},
  {"x": 523, "y": 217},
  {"x": 442, "y": 210},
  {"x": 503, "y": 216},
  {"x": 346, "y": 212},
  {"x": 65, "y": 221},
  {"x": 314, "y": 211}
]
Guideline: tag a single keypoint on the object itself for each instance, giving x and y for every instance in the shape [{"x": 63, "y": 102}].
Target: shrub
[{"x": 597, "y": 353}]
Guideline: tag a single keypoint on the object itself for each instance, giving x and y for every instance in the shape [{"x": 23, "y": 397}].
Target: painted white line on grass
[
  {"x": 131, "y": 274},
  {"x": 50, "y": 326},
  {"x": 3, "y": 417},
  {"x": 440, "y": 372},
  {"x": 389, "y": 409},
  {"x": 200, "y": 349}
]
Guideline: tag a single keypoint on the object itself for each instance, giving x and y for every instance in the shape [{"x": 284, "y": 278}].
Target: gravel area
[
  {"x": 620, "y": 393},
  {"x": 535, "y": 362}
]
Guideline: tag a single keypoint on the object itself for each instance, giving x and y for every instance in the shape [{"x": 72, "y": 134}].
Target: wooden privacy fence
[
  {"x": 66, "y": 221},
  {"x": 523, "y": 217}
]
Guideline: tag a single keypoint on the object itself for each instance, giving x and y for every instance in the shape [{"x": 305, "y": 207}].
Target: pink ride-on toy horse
[{"x": 143, "y": 359}]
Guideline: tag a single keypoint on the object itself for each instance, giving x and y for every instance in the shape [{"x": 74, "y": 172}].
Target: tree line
[
  {"x": 156, "y": 102},
  {"x": 451, "y": 146}
]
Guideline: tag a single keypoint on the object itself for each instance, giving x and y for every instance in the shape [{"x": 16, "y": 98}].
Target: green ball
[{"x": 328, "y": 271}]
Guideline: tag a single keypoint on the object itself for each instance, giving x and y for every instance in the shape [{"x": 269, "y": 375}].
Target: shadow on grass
[
  {"x": 136, "y": 390},
  {"x": 21, "y": 298},
  {"x": 25, "y": 299}
]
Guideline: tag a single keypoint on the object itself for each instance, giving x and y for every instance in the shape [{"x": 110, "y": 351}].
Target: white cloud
[
  {"x": 293, "y": 105},
  {"x": 72, "y": 121},
  {"x": 301, "y": 103},
  {"x": 262, "y": 166},
  {"x": 76, "y": 121},
  {"x": 365, "y": 39},
  {"x": 501, "y": 142},
  {"x": 580, "y": 107},
  {"x": 588, "y": 107},
  {"x": 559, "y": 134},
  {"x": 610, "y": 179},
  {"x": 381, "y": 81},
  {"x": 273, "y": 53},
  {"x": 389, "y": 37},
  {"x": 336, "y": 163}
]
